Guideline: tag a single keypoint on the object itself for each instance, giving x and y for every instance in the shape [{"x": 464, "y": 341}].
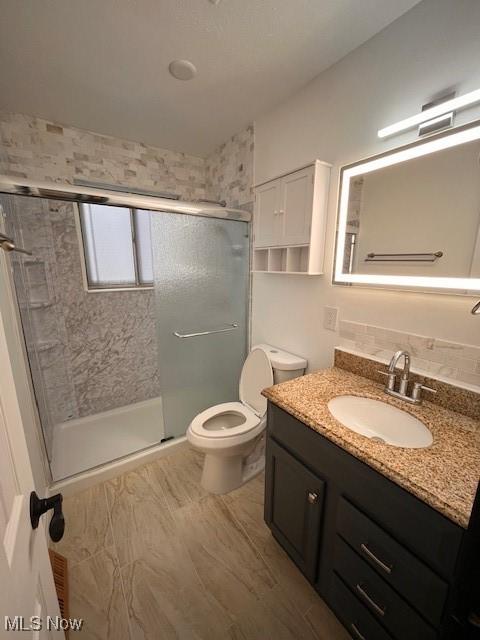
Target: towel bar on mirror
[{"x": 404, "y": 257}]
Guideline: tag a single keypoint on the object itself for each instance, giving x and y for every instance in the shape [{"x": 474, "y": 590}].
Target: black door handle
[{"x": 39, "y": 506}]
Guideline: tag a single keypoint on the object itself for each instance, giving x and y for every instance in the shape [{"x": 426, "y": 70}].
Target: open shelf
[
  {"x": 293, "y": 260},
  {"x": 277, "y": 259},
  {"x": 260, "y": 260},
  {"x": 297, "y": 259}
]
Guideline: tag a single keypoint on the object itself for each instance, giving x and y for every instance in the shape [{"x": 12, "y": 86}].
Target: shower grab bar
[{"x": 231, "y": 327}]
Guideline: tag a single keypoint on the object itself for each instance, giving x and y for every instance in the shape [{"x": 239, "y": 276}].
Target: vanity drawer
[
  {"x": 360, "y": 624},
  {"x": 379, "y": 598},
  {"x": 409, "y": 576}
]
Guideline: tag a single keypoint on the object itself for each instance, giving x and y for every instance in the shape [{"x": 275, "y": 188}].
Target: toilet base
[{"x": 222, "y": 474}]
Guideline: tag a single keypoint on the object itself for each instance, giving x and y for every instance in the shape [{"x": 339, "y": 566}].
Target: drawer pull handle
[
  {"x": 312, "y": 497},
  {"x": 386, "y": 567},
  {"x": 356, "y": 632},
  {"x": 376, "y": 607}
]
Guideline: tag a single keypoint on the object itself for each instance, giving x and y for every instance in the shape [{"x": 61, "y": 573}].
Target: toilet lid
[{"x": 256, "y": 375}]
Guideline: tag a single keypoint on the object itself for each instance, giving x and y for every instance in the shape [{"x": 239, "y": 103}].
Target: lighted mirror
[{"x": 411, "y": 217}]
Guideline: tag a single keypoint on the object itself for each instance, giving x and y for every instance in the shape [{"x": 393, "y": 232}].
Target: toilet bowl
[{"x": 227, "y": 433}]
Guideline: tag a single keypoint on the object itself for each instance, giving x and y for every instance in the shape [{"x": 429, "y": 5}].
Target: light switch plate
[{"x": 330, "y": 315}]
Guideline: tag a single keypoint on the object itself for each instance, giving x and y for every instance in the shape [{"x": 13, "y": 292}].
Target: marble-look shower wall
[
  {"x": 89, "y": 352},
  {"x": 41, "y": 150},
  {"x": 229, "y": 171}
]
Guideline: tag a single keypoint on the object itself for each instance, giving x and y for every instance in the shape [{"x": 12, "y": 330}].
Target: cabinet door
[
  {"x": 296, "y": 206},
  {"x": 266, "y": 219},
  {"x": 293, "y": 507}
]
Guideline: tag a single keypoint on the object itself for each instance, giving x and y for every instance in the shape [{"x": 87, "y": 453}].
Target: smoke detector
[{"x": 182, "y": 69}]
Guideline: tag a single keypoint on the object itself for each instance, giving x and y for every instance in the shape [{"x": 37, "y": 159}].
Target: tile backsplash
[{"x": 451, "y": 360}]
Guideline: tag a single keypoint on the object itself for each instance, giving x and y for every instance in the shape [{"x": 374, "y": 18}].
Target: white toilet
[{"x": 227, "y": 433}]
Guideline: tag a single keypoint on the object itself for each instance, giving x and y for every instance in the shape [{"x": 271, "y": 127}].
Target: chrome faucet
[
  {"x": 402, "y": 393},
  {"x": 405, "y": 378}
]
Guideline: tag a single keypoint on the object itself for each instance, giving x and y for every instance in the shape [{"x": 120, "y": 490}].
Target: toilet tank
[{"x": 285, "y": 365}]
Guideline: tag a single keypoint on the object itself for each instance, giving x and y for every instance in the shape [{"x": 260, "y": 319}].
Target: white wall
[{"x": 433, "y": 47}]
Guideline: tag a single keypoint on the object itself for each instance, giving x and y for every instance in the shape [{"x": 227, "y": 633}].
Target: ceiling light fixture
[
  {"x": 438, "y": 110},
  {"x": 182, "y": 69}
]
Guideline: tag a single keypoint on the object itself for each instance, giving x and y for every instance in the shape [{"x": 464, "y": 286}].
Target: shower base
[{"x": 85, "y": 443}]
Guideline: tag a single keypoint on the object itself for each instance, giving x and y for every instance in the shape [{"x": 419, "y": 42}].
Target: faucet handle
[
  {"x": 391, "y": 375},
  {"x": 418, "y": 387}
]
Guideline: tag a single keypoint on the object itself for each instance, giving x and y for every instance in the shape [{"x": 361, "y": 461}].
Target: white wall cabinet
[{"x": 290, "y": 221}]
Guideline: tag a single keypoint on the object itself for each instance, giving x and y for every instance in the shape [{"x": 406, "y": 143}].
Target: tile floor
[{"x": 153, "y": 557}]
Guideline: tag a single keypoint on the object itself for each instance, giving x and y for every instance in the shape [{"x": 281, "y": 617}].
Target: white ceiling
[{"x": 103, "y": 64}]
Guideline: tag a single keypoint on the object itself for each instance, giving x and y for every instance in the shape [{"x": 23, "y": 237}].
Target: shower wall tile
[
  {"x": 452, "y": 360},
  {"x": 229, "y": 170},
  {"x": 111, "y": 340},
  {"x": 40, "y": 150}
]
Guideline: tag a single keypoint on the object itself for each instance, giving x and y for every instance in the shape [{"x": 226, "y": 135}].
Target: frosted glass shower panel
[{"x": 201, "y": 268}]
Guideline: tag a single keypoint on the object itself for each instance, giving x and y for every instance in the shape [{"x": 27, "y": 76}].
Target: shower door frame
[{"x": 66, "y": 192}]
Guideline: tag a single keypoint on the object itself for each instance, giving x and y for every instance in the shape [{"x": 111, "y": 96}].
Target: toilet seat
[
  {"x": 229, "y": 419},
  {"x": 199, "y": 424}
]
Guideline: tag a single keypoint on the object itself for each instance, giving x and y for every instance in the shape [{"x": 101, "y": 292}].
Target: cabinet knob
[{"x": 312, "y": 497}]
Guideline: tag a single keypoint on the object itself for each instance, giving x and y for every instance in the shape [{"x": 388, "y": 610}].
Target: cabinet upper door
[
  {"x": 296, "y": 206},
  {"x": 266, "y": 218}
]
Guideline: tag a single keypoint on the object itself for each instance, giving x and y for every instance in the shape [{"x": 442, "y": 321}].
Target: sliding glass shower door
[{"x": 201, "y": 275}]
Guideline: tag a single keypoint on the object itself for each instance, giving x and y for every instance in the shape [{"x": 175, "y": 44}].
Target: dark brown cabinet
[
  {"x": 294, "y": 508},
  {"x": 390, "y": 566}
]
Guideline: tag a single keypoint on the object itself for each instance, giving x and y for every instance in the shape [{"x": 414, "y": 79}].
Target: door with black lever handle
[{"x": 39, "y": 506}]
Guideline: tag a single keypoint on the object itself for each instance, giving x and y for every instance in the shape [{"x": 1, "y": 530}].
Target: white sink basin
[{"x": 380, "y": 421}]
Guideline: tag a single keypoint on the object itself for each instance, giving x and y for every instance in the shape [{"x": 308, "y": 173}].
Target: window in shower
[{"x": 117, "y": 247}]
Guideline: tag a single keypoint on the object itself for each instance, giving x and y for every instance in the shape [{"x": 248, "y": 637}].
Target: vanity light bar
[
  {"x": 438, "y": 110},
  {"x": 444, "y": 142}
]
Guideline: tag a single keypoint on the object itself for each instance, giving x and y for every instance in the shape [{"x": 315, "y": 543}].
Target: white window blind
[
  {"x": 143, "y": 237},
  {"x": 117, "y": 246}
]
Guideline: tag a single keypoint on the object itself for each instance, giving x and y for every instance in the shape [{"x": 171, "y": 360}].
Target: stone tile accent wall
[
  {"x": 41, "y": 150},
  {"x": 229, "y": 170},
  {"x": 451, "y": 360}
]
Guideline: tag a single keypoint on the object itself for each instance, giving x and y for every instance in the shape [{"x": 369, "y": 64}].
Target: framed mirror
[{"x": 410, "y": 217}]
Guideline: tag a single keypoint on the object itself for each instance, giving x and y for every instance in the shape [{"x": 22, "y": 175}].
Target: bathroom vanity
[{"x": 386, "y": 538}]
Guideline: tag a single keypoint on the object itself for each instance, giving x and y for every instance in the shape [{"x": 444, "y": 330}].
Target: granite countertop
[{"x": 444, "y": 475}]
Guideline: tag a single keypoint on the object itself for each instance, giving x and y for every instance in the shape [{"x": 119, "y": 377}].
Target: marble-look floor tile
[
  {"x": 274, "y": 616},
  {"x": 247, "y": 504},
  {"x": 324, "y": 624},
  {"x": 96, "y": 596},
  {"x": 137, "y": 505},
  {"x": 165, "y": 598},
  {"x": 229, "y": 566},
  {"x": 87, "y": 527},
  {"x": 179, "y": 476}
]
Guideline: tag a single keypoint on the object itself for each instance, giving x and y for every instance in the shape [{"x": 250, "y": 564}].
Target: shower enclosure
[{"x": 134, "y": 318}]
